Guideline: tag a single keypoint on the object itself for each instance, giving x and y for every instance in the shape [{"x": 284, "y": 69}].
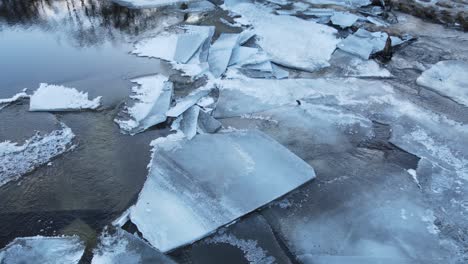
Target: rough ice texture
[
  {"x": 6, "y": 101},
  {"x": 50, "y": 250},
  {"x": 150, "y": 3},
  {"x": 16, "y": 160},
  {"x": 152, "y": 96},
  {"x": 122, "y": 247},
  {"x": 49, "y": 97},
  {"x": 450, "y": 78},
  {"x": 196, "y": 186},
  {"x": 278, "y": 35}
]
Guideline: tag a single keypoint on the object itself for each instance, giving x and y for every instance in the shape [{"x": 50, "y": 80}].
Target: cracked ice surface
[
  {"x": 312, "y": 43},
  {"x": 16, "y": 160},
  {"x": 49, "y": 97},
  {"x": 152, "y": 96},
  {"x": 122, "y": 247},
  {"x": 51, "y": 250},
  {"x": 196, "y": 186},
  {"x": 448, "y": 78}
]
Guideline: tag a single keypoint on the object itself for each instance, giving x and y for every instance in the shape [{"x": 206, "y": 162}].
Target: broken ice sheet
[
  {"x": 188, "y": 122},
  {"x": 220, "y": 53},
  {"x": 448, "y": 78},
  {"x": 186, "y": 47},
  {"x": 152, "y": 96},
  {"x": 351, "y": 3},
  {"x": 149, "y": 3},
  {"x": 278, "y": 36},
  {"x": 16, "y": 160},
  {"x": 208, "y": 124},
  {"x": 49, "y": 97},
  {"x": 196, "y": 186},
  {"x": 364, "y": 43},
  {"x": 51, "y": 250},
  {"x": 118, "y": 246},
  {"x": 185, "y": 103},
  {"x": 343, "y": 19}
]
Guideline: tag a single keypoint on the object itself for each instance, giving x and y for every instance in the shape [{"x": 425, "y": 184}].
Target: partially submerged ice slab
[
  {"x": 16, "y": 160},
  {"x": 51, "y": 250},
  {"x": 448, "y": 78},
  {"x": 6, "y": 101},
  {"x": 49, "y": 97},
  {"x": 152, "y": 96},
  {"x": 123, "y": 247},
  {"x": 288, "y": 40},
  {"x": 196, "y": 186}
]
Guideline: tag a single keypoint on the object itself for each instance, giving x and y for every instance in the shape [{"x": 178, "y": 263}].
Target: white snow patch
[{"x": 49, "y": 97}]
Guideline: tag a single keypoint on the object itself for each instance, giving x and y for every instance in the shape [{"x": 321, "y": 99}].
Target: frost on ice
[
  {"x": 448, "y": 78},
  {"x": 51, "y": 250},
  {"x": 122, "y": 247},
  {"x": 196, "y": 186},
  {"x": 49, "y": 97},
  {"x": 152, "y": 98},
  {"x": 16, "y": 160},
  {"x": 278, "y": 35}
]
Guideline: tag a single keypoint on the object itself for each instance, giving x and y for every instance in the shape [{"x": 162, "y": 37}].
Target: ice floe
[
  {"x": 6, "y": 101},
  {"x": 49, "y": 97},
  {"x": 448, "y": 78},
  {"x": 343, "y": 19},
  {"x": 190, "y": 193},
  {"x": 364, "y": 43},
  {"x": 118, "y": 246},
  {"x": 277, "y": 35},
  {"x": 51, "y": 250},
  {"x": 16, "y": 160},
  {"x": 152, "y": 96}
]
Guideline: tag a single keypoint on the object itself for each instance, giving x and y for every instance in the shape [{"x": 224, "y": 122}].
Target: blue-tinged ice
[
  {"x": 449, "y": 78},
  {"x": 50, "y": 250},
  {"x": 364, "y": 43},
  {"x": 220, "y": 53},
  {"x": 187, "y": 123},
  {"x": 185, "y": 103},
  {"x": 196, "y": 186},
  {"x": 138, "y": 4},
  {"x": 152, "y": 98},
  {"x": 343, "y": 19}
]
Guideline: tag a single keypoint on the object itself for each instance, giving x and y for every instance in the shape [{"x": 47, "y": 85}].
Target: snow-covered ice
[
  {"x": 449, "y": 78},
  {"x": 278, "y": 35},
  {"x": 16, "y": 160},
  {"x": 196, "y": 186},
  {"x": 50, "y": 250},
  {"x": 118, "y": 246},
  {"x": 152, "y": 96},
  {"x": 49, "y": 97}
]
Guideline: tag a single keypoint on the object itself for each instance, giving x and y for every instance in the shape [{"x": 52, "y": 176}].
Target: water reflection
[{"x": 86, "y": 22}]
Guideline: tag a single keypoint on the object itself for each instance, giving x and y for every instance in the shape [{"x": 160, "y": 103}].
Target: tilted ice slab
[
  {"x": 185, "y": 47},
  {"x": 122, "y": 247},
  {"x": 352, "y": 3},
  {"x": 6, "y": 101},
  {"x": 16, "y": 160},
  {"x": 152, "y": 98},
  {"x": 364, "y": 43},
  {"x": 196, "y": 186},
  {"x": 343, "y": 19},
  {"x": 49, "y": 97},
  {"x": 188, "y": 122},
  {"x": 150, "y": 3},
  {"x": 448, "y": 78},
  {"x": 288, "y": 40},
  {"x": 220, "y": 53},
  {"x": 51, "y": 250}
]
